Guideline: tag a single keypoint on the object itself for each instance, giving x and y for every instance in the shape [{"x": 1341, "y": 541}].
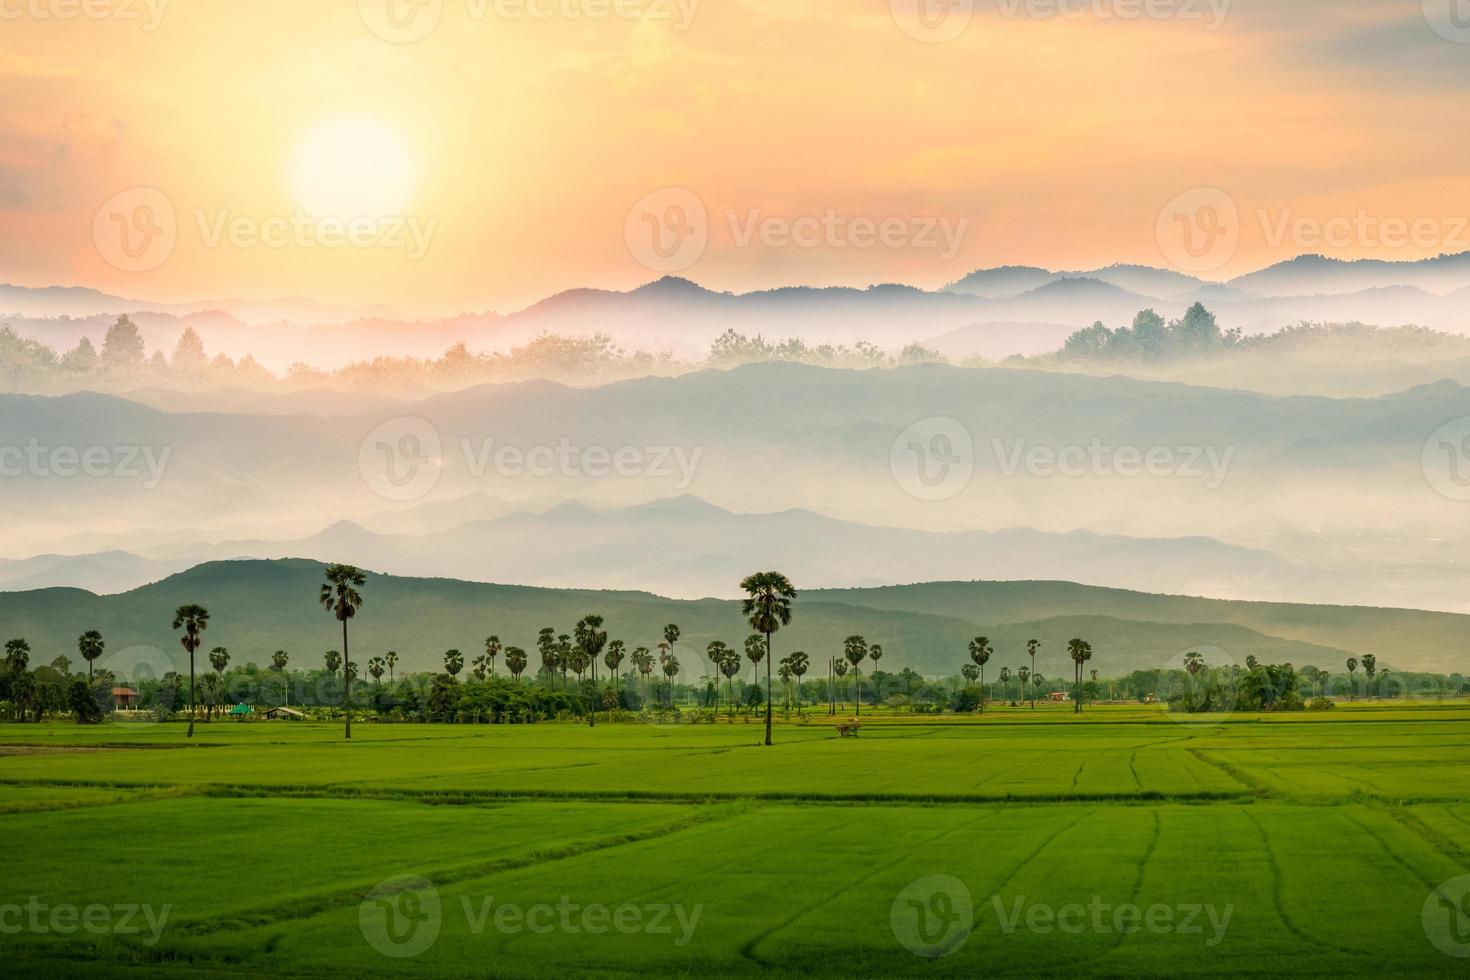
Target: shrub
[{"x": 1321, "y": 704}]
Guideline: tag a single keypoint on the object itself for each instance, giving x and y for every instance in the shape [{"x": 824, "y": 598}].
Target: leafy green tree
[
  {"x": 123, "y": 348},
  {"x": 90, "y": 646},
  {"x": 83, "y": 702},
  {"x": 339, "y": 596},
  {"x": 193, "y": 620}
]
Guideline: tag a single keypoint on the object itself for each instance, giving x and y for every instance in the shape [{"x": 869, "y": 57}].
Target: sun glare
[{"x": 353, "y": 166}]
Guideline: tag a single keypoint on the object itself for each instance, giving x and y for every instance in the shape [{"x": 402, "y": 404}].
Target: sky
[{"x": 439, "y": 156}]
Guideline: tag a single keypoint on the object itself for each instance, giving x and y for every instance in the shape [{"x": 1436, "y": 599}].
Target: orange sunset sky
[{"x": 522, "y": 137}]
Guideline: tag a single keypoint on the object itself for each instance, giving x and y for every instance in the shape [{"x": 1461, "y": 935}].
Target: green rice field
[{"x": 1020, "y": 843}]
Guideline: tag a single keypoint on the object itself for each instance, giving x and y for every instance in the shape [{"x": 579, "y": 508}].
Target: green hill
[{"x": 261, "y": 606}]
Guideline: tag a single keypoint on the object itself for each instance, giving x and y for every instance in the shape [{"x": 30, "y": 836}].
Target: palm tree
[
  {"x": 492, "y": 650},
  {"x": 1194, "y": 663},
  {"x": 591, "y": 638},
  {"x": 193, "y": 620},
  {"x": 671, "y": 636},
  {"x": 1080, "y": 651},
  {"x": 279, "y": 660},
  {"x": 515, "y": 661},
  {"x": 339, "y": 596},
  {"x": 671, "y": 670},
  {"x": 784, "y": 672},
  {"x": 855, "y": 649},
  {"x": 546, "y": 646},
  {"x": 1370, "y": 667},
  {"x": 1024, "y": 674},
  {"x": 614, "y": 660},
  {"x": 799, "y": 664},
  {"x": 219, "y": 659},
  {"x": 980, "y": 652},
  {"x": 333, "y": 660},
  {"x": 481, "y": 667},
  {"x": 767, "y": 606},
  {"x": 17, "y": 656},
  {"x": 376, "y": 667},
  {"x": 1031, "y": 647},
  {"x": 642, "y": 658},
  {"x": 90, "y": 646},
  {"x": 727, "y": 662},
  {"x": 875, "y": 654},
  {"x": 1036, "y": 681},
  {"x": 453, "y": 662},
  {"x": 392, "y": 661},
  {"x": 1005, "y": 683},
  {"x": 564, "y": 656},
  {"x": 840, "y": 668},
  {"x": 970, "y": 672},
  {"x": 1352, "y": 666},
  {"x": 755, "y": 652}
]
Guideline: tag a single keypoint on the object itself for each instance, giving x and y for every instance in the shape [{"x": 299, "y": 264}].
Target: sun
[{"x": 353, "y": 166}]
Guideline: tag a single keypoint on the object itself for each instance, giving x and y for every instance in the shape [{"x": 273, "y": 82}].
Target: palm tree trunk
[
  {"x": 346, "y": 680},
  {"x": 592, "y": 715},
  {"x": 191, "y": 696},
  {"x": 857, "y": 702},
  {"x": 768, "y": 688}
]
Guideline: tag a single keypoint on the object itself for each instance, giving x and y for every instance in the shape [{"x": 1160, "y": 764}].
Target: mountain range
[
  {"x": 985, "y": 313},
  {"x": 258, "y": 607}
]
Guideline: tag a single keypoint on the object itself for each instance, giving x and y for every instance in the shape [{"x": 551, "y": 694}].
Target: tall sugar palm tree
[
  {"x": 1024, "y": 673},
  {"x": 392, "y": 661},
  {"x": 453, "y": 662},
  {"x": 90, "y": 646},
  {"x": 970, "y": 672},
  {"x": 193, "y": 620},
  {"x": 377, "y": 668},
  {"x": 671, "y": 636},
  {"x": 515, "y": 662},
  {"x": 767, "y": 606},
  {"x": 980, "y": 651},
  {"x": 279, "y": 660},
  {"x": 1352, "y": 666},
  {"x": 333, "y": 660},
  {"x": 755, "y": 652},
  {"x": 1005, "y": 683},
  {"x": 1080, "y": 651},
  {"x": 875, "y": 654},
  {"x": 492, "y": 650},
  {"x": 614, "y": 660},
  {"x": 799, "y": 664},
  {"x": 840, "y": 667},
  {"x": 17, "y": 656},
  {"x": 219, "y": 659},
  {"x": 1370, "y": 667},
  {"x": 339, "y": 596},
  {"x": 642, "y": 658},
  {"x": 591, "y": 638},
  {"x": 671, "y": 670},
  {"x": 564, "y": 656},
  {"x": 785, "y": 674},
  {"x": 1031, "y": 647},
  {"x": 546, "y": 646},
  {"x": 855, "y": 649},
  {"x": 727, "y": 662},
  {"x": 480, "y": 667}
]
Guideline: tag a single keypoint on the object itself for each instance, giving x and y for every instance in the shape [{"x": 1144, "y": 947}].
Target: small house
[
  {"x": 241, "y": 710},
  {"x": 1057, "y": 696},
  {"x": 283, "y": 714},
  {"x": 124, "y": 698}
]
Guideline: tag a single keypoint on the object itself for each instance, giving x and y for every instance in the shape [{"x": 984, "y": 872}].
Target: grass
[{"x": 1320, "y": 837}]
